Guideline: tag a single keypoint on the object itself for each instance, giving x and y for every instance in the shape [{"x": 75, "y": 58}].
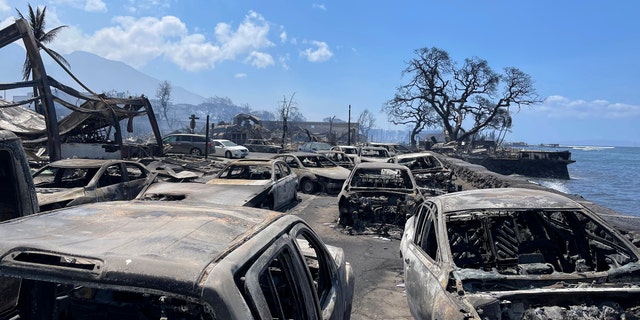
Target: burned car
[
  {"x": 71, "y": 182},
  {"x": 373, "y": 154},
  {"x": 267, "y": 182},
  {"x": 315, "y": 172},
  {"x": 259, "y": 183},
  {"x": 340, "y": 158},
  {"x": 511, "y": 253},
  {"x": 430, "y": 173},
  {"x": 262, "y": 145},
  {"x": 383, "y": 193},
  {"x": 158, "y": 260}
]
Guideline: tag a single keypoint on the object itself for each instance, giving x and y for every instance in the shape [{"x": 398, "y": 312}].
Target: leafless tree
[
  {"x": 285, "y": 111},
  {"x": 366, "y": 122},
  {"x": 163, "y": 93},
  {"x": 462, "y": 101}
]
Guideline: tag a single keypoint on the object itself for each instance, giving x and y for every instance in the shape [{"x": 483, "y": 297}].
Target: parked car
[
  {"x": 378, "y": 192},
  {"x": 186, "y": 143},
  {"x": 71, "y": 182},
  {"x": 314, "y": 146},
  {"x": 315, "y": 172},
  {"x": 351, "y": 151},
  {"x": 229, "y": 149},
  {"x": 268, "y": 182},
  {"x": 430, "y": 173},
  {"x": 158, "y": 260},
  {"x": 373, "y": 154},
  {"x": 339, "y": 157},
  {"x": 510, "y": 253},
  {"x": 262, "y": 145}
]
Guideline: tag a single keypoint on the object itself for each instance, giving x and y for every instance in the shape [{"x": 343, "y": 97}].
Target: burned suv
[
  {"x": 377, "y": 194},
  {"x": 159, "y": 260}
]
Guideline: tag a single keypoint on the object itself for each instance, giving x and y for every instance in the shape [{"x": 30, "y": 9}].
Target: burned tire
[
  {"x": 195, "y": 152},
  {"x": 307, "y": 186},
  {"x": 228, "y": 154},
  {"x": 344, "y": 219}
]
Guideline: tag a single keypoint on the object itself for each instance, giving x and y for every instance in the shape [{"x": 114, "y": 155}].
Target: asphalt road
[{"x": 379, "y": 287}]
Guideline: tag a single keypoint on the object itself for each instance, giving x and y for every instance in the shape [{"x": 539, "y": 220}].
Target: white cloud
[
  {"x": 4, "y": 7},
  {"x": 142, "y": 6},
  {"x": 320, "y": 53},
  {"x": 283, "y": 36},
  {"x": 259, "y": 59},
  {"x": 87, "y": 5},
  {"x": 561, "y": 107},
  {"x": 320, "y": 6},
  {"x": 240, "y": 75},
  {"x": 95, "y": 6},
  {"x": 136, "y": 41},
  {"x": 284, "y": 61}
]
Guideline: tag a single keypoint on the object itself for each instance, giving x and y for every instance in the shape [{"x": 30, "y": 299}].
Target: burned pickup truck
[
  {"x": 511, "y": 253},
  {"x": 377, "y": 193}
]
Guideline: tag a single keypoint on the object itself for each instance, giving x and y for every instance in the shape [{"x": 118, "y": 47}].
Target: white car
[{"x": 228, "y": 149}]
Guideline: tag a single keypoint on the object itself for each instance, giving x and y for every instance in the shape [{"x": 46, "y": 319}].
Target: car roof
[
  {"x": 83, "y": 163},
  {"x": 255, "y": 161},
  {"x": 505, "y": 198},
  {"x": 185, "y": 134},
  {"x": 374, "y": 148},
  {"x": 413, "y": 155},
  {"x": 301, "y": 153},
  {"x": 147, "y": 244},
  {"x": 377, "y": 165}
]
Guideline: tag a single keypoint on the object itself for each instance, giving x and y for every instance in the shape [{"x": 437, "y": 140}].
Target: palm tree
[{"x": 37, "y": 23}]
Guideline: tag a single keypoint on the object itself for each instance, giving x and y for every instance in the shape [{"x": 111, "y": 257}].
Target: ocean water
[{"x": 608, "y": 176}]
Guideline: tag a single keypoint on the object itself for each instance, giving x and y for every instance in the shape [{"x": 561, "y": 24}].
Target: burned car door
[
  {"x": 290, "y": 182},
  {"x": 424, "y": 275},
  {"x": 137, "y": 177},
  {"x": 109, "y": 186}
]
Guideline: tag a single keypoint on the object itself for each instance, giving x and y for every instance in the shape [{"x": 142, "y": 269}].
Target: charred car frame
[{"x": 512, "y": 253}]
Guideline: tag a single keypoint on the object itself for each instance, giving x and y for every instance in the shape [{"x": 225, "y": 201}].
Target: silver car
[
  {"x": 186, "y": 143},
  {"x": 510, "y": 253}
]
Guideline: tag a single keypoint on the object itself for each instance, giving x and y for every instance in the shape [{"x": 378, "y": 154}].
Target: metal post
[
  {"x": 349, "y": 128},
  {"x": 206, "y": 140}
]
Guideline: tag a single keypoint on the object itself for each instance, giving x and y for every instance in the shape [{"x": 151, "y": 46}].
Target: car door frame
[
  {"x": 424, "y": 273},
  {"x": 296, "y": 270}
]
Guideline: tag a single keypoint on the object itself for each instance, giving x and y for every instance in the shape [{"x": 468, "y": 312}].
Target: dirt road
[{"x": 379, "y": 287}]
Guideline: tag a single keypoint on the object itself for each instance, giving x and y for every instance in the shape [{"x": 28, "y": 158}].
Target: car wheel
[
  {"x": 228, "y": 154},
  {"x": 345, "y": 218},
  {"x": 308, "y": 186},
  {"x": 295, "y": 197},
  {"x": 195, "y": 152}
]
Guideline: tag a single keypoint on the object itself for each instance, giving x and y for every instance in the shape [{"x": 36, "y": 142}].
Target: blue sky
[{"x": 582, "y": 55}]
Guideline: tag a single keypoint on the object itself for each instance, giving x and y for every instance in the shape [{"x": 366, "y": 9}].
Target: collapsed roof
[{"x": 91, "y": 118}]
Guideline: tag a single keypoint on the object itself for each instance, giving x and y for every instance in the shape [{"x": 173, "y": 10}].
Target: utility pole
[{"x": 349, "y": 128}]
